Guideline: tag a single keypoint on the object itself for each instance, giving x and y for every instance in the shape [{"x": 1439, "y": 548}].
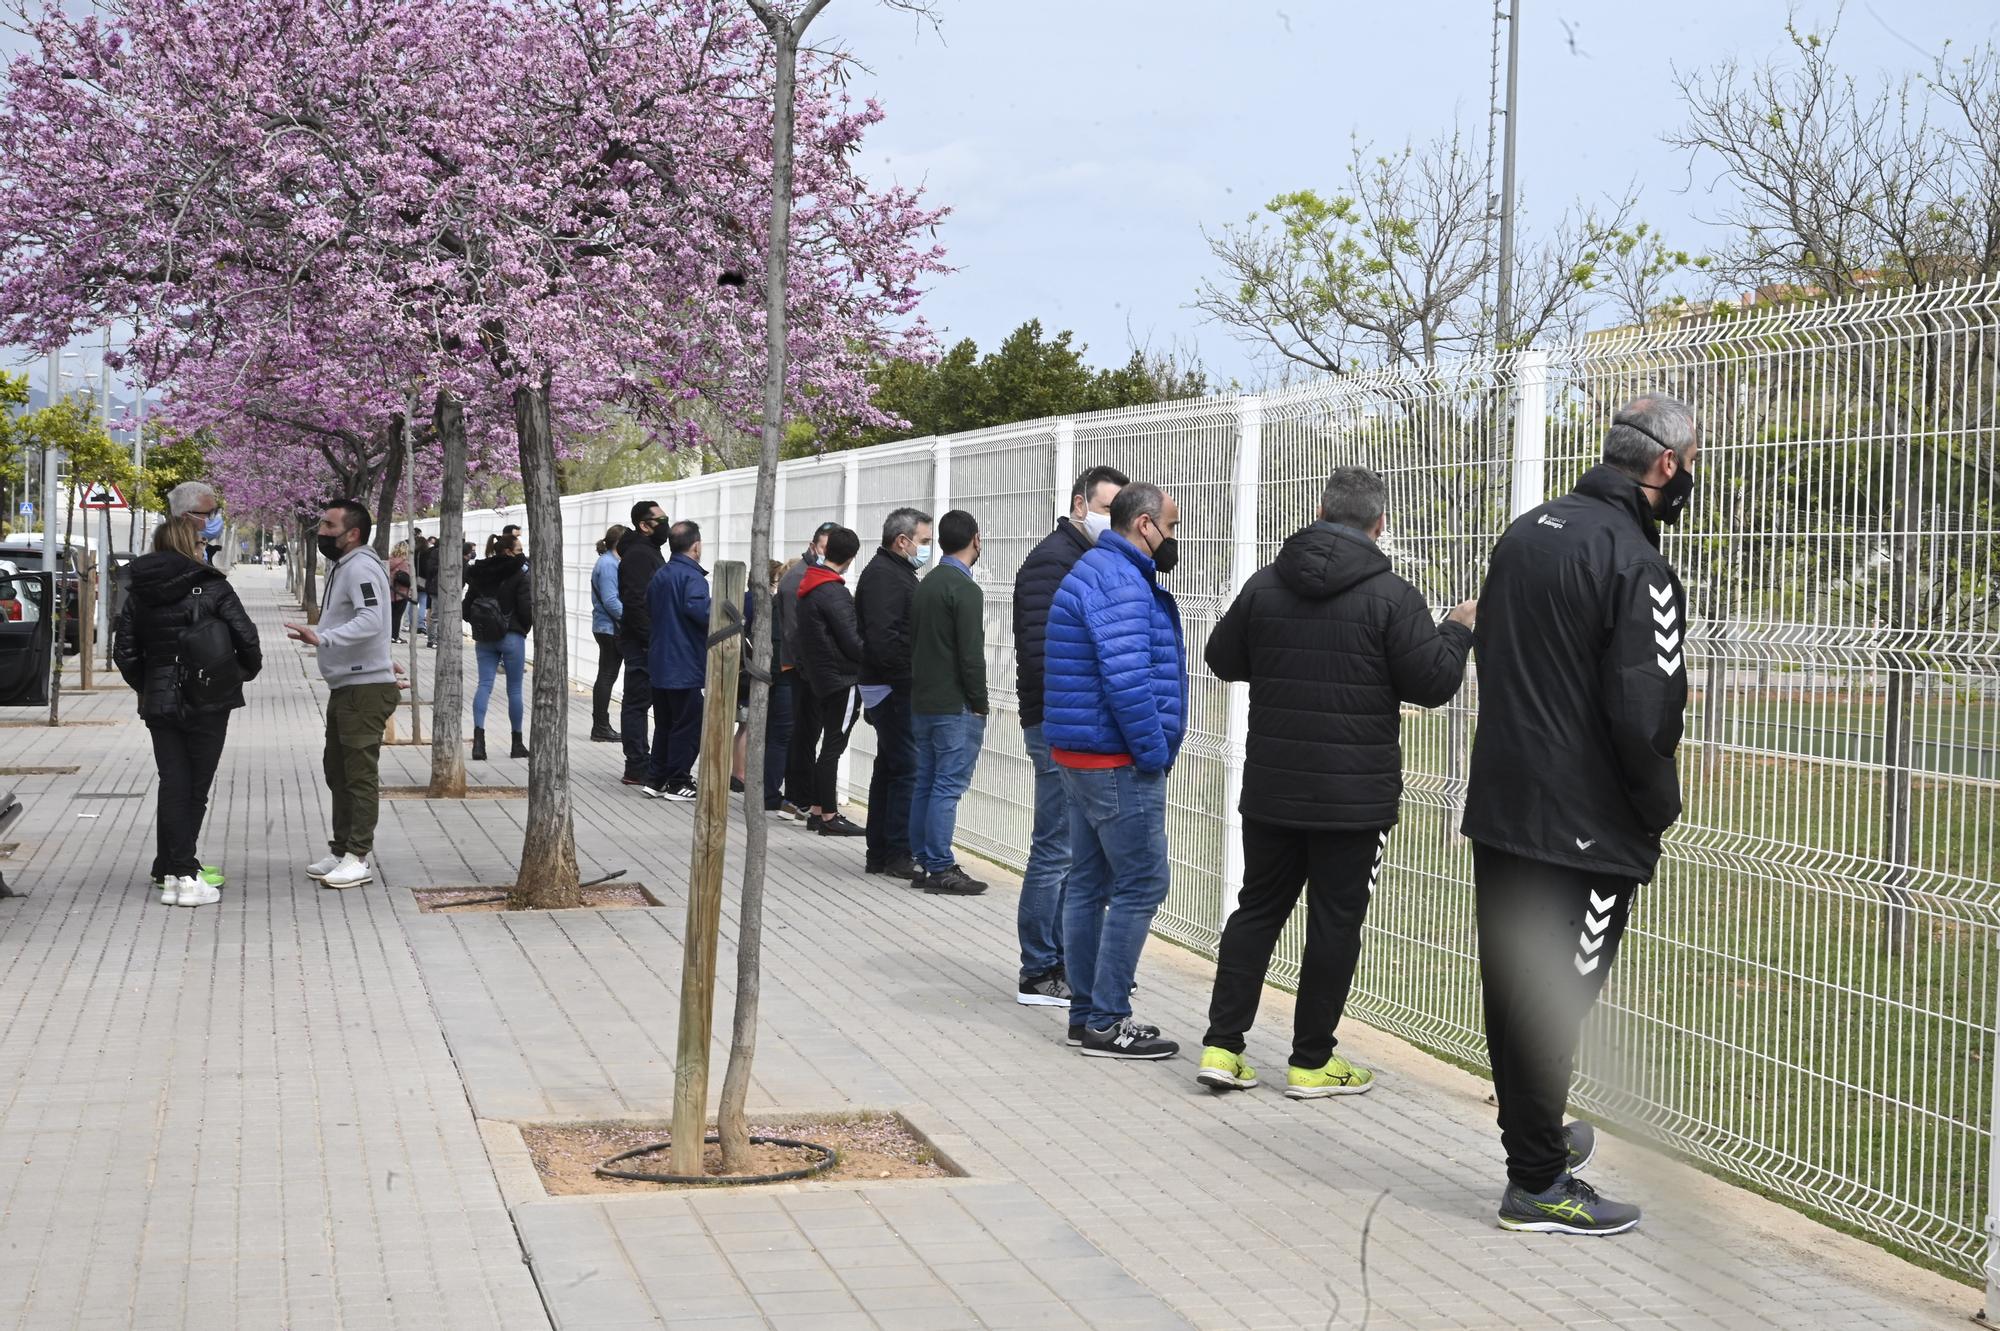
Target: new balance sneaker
[
  {"x": 1225, "y": 1070},
  {"x": 1049, "y": 989},
  {"x": 1338, "y": 1077},
  {"x": 323, "y": 866},
  {"x": 1582, "y": 1144},
  {"x": 953, "y": 882},
  {"x": 895, "y": 866},
  {"x": 352, "y": 871},
  {"x": 1571, "y": 1206},
  {"x": 679, "y": 791},
  {"x": 1075, "y": 1036},
  {"x": 194, "y": 892},
  {"x": 1127, "y": 1038},
  {"x": 839, "y": 824}
]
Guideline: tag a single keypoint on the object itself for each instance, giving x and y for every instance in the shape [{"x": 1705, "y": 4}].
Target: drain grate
[
  {"x": 39, "y": 771},
  {"x": 109, "y": 795}
]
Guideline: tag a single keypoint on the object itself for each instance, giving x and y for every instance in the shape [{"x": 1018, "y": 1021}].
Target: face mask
[
  {"x": 213, "y": 530},
  {"x": 658, "y": 536},
  {"x": 920, "y": 556},
  {"x": 1168, "y": 554},
  {"x": 1096, "y": 524},
  {"x": 1673, "y": 497},
  {"x": 330, "y": 547}
]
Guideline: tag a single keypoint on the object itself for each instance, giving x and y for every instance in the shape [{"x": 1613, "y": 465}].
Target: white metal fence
[{"x": 1807, "y": 998}]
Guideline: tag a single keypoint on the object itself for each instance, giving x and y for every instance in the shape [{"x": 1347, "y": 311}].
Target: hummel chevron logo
[
  {"x": 1589, "y": 944},
  {"x": 1581, "y": 844},
  {"x": 1591, "y": 941},
  {"x": 1668, "y": 664},
  {"x": 1668, "y": 641},
  {"x": 1661, "y": 595},
  {"x": 1665, "y": 618},
  {"x": 1602, "y": 904},
  {"x": 1585, "y": 968}
]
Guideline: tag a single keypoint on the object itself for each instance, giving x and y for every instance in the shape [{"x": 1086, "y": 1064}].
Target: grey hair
[
  {"x": 1645, "y": 426},
  {"x": 902, "y": 522},
  {"x": 186, "y": 495},
  {"x": 1137, "y": 500},
  {"x": 1355, "y": 497}
]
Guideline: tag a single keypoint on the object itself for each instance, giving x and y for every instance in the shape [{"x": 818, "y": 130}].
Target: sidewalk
[{"x": 289, "y": 1110}]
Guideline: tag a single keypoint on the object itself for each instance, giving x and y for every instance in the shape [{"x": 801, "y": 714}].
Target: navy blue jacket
[
  {"x": 677, "y": 603},
  {"x": 1115, "y": 675},
  {"x": 1034, "y": 590}
]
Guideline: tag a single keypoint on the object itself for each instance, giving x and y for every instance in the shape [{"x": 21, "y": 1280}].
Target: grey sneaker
[
  {"x": 1570, "y": 1206},
  {"x": 1048, "y": 990},
  {"x": 1127, "y": 1039},
  {"x": 1582, "y": 1145}
]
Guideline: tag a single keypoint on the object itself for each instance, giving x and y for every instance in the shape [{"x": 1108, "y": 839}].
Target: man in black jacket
[
  {"x": 1582, "y": 681},
  {"x": 882, "y": 606},
  {"x": 639, "y": 558},
  {"x": 1039, "y": 918},
  {"x": 829, "y": 655},
  {"x": 1332, "y": 643}
]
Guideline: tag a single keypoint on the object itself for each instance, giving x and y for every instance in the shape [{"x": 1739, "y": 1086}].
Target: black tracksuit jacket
[
  {"x": 1582, "y": 683},
  {"x": 1332, "y": 642}
]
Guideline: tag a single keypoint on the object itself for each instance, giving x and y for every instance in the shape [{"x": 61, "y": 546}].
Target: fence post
[
  {"x": 1531, "y": 422},
  {"x": 1065, "y": 460},
  {"x": 1242, "y": 563},
  {"x": 940, "y": 476},
  {"x": 850, "y": 518}
]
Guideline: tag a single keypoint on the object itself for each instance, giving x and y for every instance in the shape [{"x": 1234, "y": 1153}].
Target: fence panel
[{"x": 1808, "y": 993}]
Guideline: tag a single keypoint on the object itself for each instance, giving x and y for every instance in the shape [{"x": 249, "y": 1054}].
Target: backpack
[
  {"x": 209, "y": 674},
  {"x": 486, "y": 617}
]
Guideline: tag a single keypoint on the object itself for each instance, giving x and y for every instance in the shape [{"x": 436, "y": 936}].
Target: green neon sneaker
[
  {"x": 1338, "y": 1077},
  {"x": 211, "y": 875},
  {"x": 1225, "y": 1071},
  {"x": 1571, "y": 1206}
]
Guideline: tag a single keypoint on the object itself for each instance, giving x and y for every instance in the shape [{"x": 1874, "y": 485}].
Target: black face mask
[
  {"x": 1167, "y": 555},
  {"x": 658, "y": 536},
  {"x": 1673, "y": 497},
  {"x": 330, "y": 546}
]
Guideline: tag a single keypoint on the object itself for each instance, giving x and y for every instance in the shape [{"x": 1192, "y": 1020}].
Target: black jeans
[
  {"x": 638, "y": 702},
  {"x": 777, "y": 740},
  {"x": 1547, "y": 937},
  {"x": 610, "y": 659},
  {"x": 185, "y": 754},
  {"x": 396, "y": 609},
  {"x": 836, "y": 713},
  {"x": 1338, "y": 870},
  {"x": 894, "y": 781},
  {"x": 804, "y": 745},
  {"x": 678, "y": 738}
]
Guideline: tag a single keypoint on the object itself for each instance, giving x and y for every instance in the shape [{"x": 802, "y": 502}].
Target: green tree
[{"x": 170, "y": 461}]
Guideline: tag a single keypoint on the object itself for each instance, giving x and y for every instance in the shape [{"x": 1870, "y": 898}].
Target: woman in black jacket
[
  {"x": 168, "y": 592},
  {"x": 502, "y": 577}
]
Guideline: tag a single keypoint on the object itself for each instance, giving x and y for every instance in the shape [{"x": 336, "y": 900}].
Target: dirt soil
[
  {"x": 872, "y": 1147},
  {"x": 471, "y": 792},
  {"x": 479, "y": 900}
]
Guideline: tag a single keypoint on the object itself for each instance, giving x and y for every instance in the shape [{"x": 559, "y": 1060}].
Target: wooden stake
[{"x": 711, "y": 841}]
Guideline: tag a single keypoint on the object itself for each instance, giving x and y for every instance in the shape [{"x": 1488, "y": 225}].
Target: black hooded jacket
[
  {"x": 505, "y": 579},
  {"x": 638, "y": 560},
  {"x": 160, "y": 594},
  {"x": 1582, "y": 682},
  {"x": 1332, "y": 643},
  {"x": 1042, "y": 572}
]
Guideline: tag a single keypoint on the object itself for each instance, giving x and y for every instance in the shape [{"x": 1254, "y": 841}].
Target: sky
[{"x": 1084, "y": 144}]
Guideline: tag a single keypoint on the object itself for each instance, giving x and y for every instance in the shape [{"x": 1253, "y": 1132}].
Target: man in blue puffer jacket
[{"x": 1114, "y": 711}]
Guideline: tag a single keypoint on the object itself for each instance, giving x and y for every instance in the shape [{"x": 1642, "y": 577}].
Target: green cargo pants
[{"x": 355, "y": 717}]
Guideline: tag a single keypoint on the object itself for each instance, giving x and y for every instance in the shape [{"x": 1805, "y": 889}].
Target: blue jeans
[
  {"x": 947, "y": 751},
  {"x": 1117, "y": 879},
  {"x": 777, "y": 739},
  {"x": 635, "y": 708},
  {"x": 1039, "y": 921},
  {"x": 511, "y": 651},
  {"x": 423, "y": 612}
]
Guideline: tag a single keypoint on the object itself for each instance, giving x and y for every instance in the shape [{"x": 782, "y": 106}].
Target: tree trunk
[
  {"x": 448, "y": 683},
  {"x": 392, "y": 477},
  {"x": 308, "y": 552},
  {"x": 731, "y": 1124},
  {"x": 548, "y": 878}
]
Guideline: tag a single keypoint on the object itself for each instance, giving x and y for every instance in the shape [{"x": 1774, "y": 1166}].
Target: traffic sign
[
  {"x": 27, "y": 508},
  {"x": 104, "y": 496}
]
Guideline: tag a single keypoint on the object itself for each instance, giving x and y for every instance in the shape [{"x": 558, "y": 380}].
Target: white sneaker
[
  {"x": 320, "y": 868},
  {"x": 352, "y": 871},
  {"x": 194, "y": 892},
  {"x": 170, "y": 888}
]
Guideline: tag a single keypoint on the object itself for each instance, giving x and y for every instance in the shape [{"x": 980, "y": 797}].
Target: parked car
[{"x": 24, "y": 551}]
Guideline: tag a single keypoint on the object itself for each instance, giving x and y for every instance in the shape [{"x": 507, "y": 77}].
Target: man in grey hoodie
[{"x": 352, "y": 641}]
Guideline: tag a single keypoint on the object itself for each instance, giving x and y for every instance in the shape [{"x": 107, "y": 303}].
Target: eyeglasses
[{"x": 202, "y": 512}]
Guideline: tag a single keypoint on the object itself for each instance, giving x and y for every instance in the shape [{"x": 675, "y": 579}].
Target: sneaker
[
  {"x": 953, "y": 882},
  {"x": 194, "y": 892},
  {"x": 170, "y": 888},
  {"x": 352, "y": 871},
  {"x": 787, "y": 809},
  {"x": 736, "y": 785},
  {"x": 1338, "y": 1077},
  {"x": 1571, "y": 1206},
  {"x": 605, "y": 735},
  {"x": 1075, "y": 1036},
  {"x": 1046, "y": 990},
  {"x": 1225, "y": 1070},
  {"x": 840, "y": 824},
  {"x": 813, "y": 822},
  {"x": 212, "y": 875},
  {"x": 896, "y": 866},
  {"x": 1127, "y": 1038},
  {"x": 679, "y": 791},
  {"x": 320, "y": 868},
  {"x": 632, "y": 779},
  {"x": 1582, "y": 1145}
]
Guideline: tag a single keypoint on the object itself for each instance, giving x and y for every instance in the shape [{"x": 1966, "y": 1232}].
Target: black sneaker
[
  {"x": 896, "y": 866},
  {"x": 679, "y": 791},
  {"x": 633, "y": 779},
  {"x": 953, "y": 882},
  {"x": 1571, "y": 1206},
  {"x": 839, "y": 824},
  {"x": 1582, "y": 1145},
  {"x": 1127, "y": 1039},
  {"x": 1075, "y": 1036},
  {"x": 1046, "y": 990},
  {"x": 814, "y": 822},
  {"x": 605, "y": 735},
  {"x": 736, "y": 785}
]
